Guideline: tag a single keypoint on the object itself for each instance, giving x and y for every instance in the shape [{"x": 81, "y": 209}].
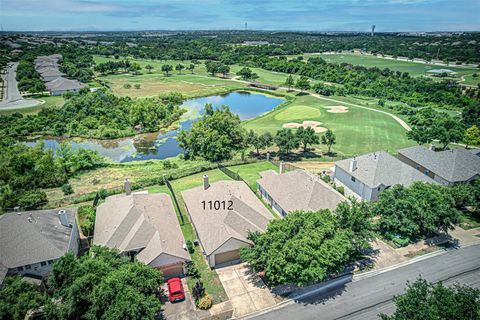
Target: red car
[{"x": 175, "y": 290}]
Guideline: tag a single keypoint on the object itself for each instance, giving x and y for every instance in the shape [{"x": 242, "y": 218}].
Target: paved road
[
  {"x": 13, "y": 99},
  {"x": 365, "y": 299}
]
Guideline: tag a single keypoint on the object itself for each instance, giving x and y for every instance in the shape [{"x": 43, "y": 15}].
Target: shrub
[
  {"x": 137, "y": 86},
  {"x": 127, "y": 86},
  {"x": 341, "y": 189},
  {"x": 32, "y": 199},
  {"x": 67, "y": 189},
  {"x": 190, "y": 247},
  {"x": 205, "y": 303},
  {"x": 198, "y": 291},
  {"x": 167, "y": 164},
  {"x": 192, "y": 270},
  {"x": 326, "y": 178}
]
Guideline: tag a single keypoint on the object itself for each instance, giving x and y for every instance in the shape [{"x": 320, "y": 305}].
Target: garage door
[
  {"x": 227, "y": 257},
  {"x": 173, "y": 270}
]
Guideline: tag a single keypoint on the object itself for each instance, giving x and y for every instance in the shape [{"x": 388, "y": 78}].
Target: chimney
[
  {"x": 205, "y": 182},
  {"x": 431, "y": 147},
  {"x": 17, "y": 210},
  {"x": 127, "y": 187},
  {"x": 62, "y": 216},
  {"x": 353, "y": 164},
  {"x": 268, "y": 156},
  {"x": 281, "y": 167}
]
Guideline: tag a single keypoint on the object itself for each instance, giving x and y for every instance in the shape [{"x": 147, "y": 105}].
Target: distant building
[
  {"x": 223, "y": 214},
  {"x": 143, "y": 226},
  {"x": 62, "y": 85},
  {"x": 297, "y": 190},
  {"x": 31, "y": 241},
  {"x": 368, "y": 175},
  {"x": 255, "y": 43},
  {"x": 445, "y": 167}
]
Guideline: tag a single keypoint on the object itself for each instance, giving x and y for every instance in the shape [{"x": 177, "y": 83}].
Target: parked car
[{"x": 175, "y": 290}]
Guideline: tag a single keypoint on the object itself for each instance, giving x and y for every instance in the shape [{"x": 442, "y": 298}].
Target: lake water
[{"x": 164, "y": 145}]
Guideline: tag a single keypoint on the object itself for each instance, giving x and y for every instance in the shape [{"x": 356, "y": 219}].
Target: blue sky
[{"x": 321, "y": 15}]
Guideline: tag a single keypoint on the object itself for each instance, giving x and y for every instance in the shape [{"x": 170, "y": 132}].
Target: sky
[{"x": 313, "y": 15}]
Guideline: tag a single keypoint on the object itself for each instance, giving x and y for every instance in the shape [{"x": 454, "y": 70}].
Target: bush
[
  {"x": 67, "y": 189},
  {"x": 167, "y": 164},
  {"x": 198, "y": 291},
  {"x": 127, "y": 86},
  {"x": 137, "y": 86},
  {"x": 326, "y": 178},
  {"x": 192, "y": 270},
  {"x": 341, "y": 189},
  {"x": 190, "y": 247},
  {"x": 32, "y": 199},
  {"x": 205, "y": 303}
]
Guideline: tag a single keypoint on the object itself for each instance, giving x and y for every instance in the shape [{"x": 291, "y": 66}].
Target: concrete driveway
[
  {"x": 183, "y": 310},
  {"x": 246, "y": 291}
]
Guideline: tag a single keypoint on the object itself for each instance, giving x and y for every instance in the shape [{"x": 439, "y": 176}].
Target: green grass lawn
[
  {"x": 250, "y": 173},
  {"x": 357, "y": 131},
  {"x": 51, "y": 101},
  {"x": 414, "y": 68}
]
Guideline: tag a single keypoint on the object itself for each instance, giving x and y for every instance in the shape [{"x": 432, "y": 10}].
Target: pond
[{"x": 164, "y": 145}]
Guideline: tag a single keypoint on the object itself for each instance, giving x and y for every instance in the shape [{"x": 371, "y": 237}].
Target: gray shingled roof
[
  {"x": 140, "y": 221},
  {"x": 64, "y": 84},
  {"x": 215, "y": 227},
  {"x": 381, "y": 168},
  {"x": 23, "y": 242},
  {"x": 50, "y": 72},
  {"x": 455, "y": 165},
  {"x": 300, "y": 190}
]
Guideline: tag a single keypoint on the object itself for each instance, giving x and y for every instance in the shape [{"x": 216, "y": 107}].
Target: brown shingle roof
[
  {"x": 140, "y": 221},
  {"x": 215, "y": 227}
]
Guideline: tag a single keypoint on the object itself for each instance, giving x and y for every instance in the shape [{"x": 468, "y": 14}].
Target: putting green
[{"x": 298, "y": 112}]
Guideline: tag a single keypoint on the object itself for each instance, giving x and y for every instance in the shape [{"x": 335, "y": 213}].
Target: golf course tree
[
  {"x": 471, "y": 114},
  {"x": 329, "y": 139},
  {"x": 472, "y": 136},
  {"x": 179, "y": 67},
  {"x": 259, "y": 141},
  {"x": 215, "y": 137},
  {"x": 224, "y": 69},
  {"x": 246, "y": 74},
  {"x": 191, "y": 67},
  {"x": 303, "y": 83},
  {"x": 149, "y": 68},
  {"x": 166, "y": 68},
  {"x": 302, "y": 248},
  {"x": 104, "y": 285},
  {"x": 17, "y": 297},
  {"x": 289, "y": 82},
  {"x": 286, "y": 141},
  {"x": 420, "y": 210},
  {"x": 424, "y": 300},
  {"x": 307, "y": 136},
  {"x": 429, "y": 125}
]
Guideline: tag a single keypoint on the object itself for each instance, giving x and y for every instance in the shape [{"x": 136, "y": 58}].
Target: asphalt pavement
[
  {"x": 13, "y": 99},
  {"x": 366, "y": 298}
]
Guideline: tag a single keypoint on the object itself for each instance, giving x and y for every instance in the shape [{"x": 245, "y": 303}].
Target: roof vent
[
  {"x": 62, "y": 216},
  {"x": 353, "y": 164}
]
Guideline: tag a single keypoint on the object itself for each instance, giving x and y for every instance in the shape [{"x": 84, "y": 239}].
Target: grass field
[
  {"x": 357, "y": 131},
  {"x": 414, "y": 68}
]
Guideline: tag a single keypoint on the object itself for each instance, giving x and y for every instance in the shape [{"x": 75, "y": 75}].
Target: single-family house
[
  {"x": 50, "y": 73},
  {"x": 223, "y": 213},
  {"x": 297, "y": 190},
  {"x": 31, "y": 241},
  {"x": 367, "y": 175},
  {"x": 446, "y": 167},
  {"x": 143, "y": 226},
  {"x": 62, "y": 85}
]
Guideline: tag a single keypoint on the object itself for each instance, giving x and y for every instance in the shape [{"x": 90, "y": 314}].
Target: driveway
[
  {"x": 246, "y": 291},
  {"x": 183, "y": 310}
]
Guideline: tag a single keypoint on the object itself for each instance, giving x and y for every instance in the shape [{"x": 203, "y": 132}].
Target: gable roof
[
  {"x": 50, "y": 72},
  {"x": 140, "y": 221},
  {"x": 63, "y": 84},
  {"x": 381, "y": 168},
  {"x": 44, "y": 238},
  {"x": 455, "y": 165},
  {"x": 300, "y": 190},
  {"x": 215, "y": 227}
]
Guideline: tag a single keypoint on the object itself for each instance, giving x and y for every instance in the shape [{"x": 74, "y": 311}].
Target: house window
[
  {"x": 28, "y": 267},
  {"x": 427, "y": 172},
  {"x": 20, "y": 268},
  {"x": 43, "y": 263},
  {"x": 378, "y": 189},
  {"x": 353, "y": 179},
  {"x": 50, "y": 261}
]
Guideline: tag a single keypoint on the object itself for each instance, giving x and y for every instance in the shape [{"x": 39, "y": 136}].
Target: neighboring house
[
  {"x": 368, "y": 175},
  {"x": 31, "y": 241},
  {"x": 223, "y": 213},
  {"x": 446, "y": 167},
  {"x": 297, "y": 190},
  {"x": 50, "y": 74},
  {"x": 62, "y": 85},
  {"x": 143, "y": 226}
]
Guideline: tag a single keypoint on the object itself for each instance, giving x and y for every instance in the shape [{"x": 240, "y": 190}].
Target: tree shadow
[{"x": 300, "y": 94}]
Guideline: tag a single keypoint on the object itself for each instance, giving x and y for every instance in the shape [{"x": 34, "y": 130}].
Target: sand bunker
[
  {"x": 337, "y": 109},
  {"x": 315, "y": 125}
]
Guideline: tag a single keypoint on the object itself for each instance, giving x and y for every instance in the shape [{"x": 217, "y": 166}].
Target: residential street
[
  {"x": 365, "y": 299},
  {"x": 12, "y": 98}
]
